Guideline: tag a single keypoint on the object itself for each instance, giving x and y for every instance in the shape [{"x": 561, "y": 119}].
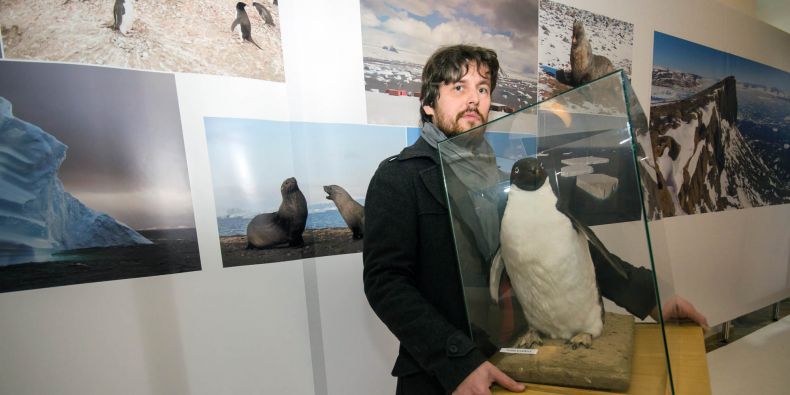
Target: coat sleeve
[
  {"x": 391, "y": 267},
  {"x": 635, "y": 293}
]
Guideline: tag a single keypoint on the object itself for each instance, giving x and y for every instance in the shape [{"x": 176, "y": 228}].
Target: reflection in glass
[{"x": 526, "y": 256}]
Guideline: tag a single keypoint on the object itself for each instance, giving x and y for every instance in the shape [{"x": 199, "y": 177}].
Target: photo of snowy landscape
[
  {"x": 94, "y": 189},
  {"x": 398, "y": 36},
  {"x": 192, "y": 36},
  {"x": 608, "y": 37},
  {"x": 251, "y": 159},
  {"x": 719, "y": 131}
]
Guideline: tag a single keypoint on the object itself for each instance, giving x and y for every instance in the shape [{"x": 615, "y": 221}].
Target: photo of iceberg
[{"x": 93, "y": 188}]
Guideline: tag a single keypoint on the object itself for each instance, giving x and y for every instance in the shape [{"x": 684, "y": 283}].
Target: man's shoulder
[{"x": 417, "y": 155}]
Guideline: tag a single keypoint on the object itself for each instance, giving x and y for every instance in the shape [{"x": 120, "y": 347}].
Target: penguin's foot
[
  {"x": 581, "y": 340},
  {"x": 530, "y": 339}
]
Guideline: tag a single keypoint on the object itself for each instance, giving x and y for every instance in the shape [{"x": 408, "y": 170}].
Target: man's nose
[{"x": 473, "y": 97}]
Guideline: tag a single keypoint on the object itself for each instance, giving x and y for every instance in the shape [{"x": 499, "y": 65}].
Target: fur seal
[
  {"x": 284, "y": 226},
  {"x": 351, "y": 211},
  {"x": 585, "y": 66},
  {"x": 245, "y": 28}
]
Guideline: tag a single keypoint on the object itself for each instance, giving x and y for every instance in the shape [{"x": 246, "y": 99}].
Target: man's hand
[
  {"x": 677, "y": 308},
  {"x": 479, "y": 381}
]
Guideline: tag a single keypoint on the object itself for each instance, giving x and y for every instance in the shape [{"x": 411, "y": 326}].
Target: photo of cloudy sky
[
  {"x": 398, "y": 37},
  {"x": 125, "y": 153}
]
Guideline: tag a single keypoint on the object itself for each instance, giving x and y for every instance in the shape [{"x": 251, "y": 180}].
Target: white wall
[{"x": 303, "y": 327}]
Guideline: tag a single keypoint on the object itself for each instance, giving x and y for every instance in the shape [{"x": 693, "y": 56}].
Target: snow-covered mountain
[
  {"x": 36, "y": 214},
  {"x": 700, "y": 162},
  {"x": 670, "y": 85}
]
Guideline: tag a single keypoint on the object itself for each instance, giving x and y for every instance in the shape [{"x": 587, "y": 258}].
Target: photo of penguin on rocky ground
[
  {"x": 285, "y": 191},
  {"x": 577, "y": 46},
  {"x": 225, "y": 37}
]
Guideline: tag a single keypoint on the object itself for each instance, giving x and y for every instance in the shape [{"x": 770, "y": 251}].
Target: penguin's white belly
[
  {"x": 128, "y": 17},
  {"x": 549, "y": 266}
]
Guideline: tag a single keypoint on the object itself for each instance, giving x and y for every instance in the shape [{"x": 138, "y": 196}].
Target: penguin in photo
[
  {"x": 123, "y": 16},
  {"x": 245, "y": 28},
  {"x": 264, "y": 13},
  {"x": 546, "y": 252}
]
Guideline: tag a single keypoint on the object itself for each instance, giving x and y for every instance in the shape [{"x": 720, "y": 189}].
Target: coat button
[{"x": 453, "y": 348}]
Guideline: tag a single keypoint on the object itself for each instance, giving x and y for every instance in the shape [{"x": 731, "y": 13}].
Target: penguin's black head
[
  {"x": 240, "y": 5},
  {"x": 528, "y": 174}
]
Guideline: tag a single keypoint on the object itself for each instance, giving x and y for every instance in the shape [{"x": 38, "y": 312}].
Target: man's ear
[{"x": 428, "y": 110}]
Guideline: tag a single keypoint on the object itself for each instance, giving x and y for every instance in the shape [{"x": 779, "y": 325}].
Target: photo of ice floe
[
  {"x": 94, "y": 189},
  {"x": 290, "y": 190},
  {"x": 605, "y": 46},
  {"x": 719, "y": 131},
  {"x": 399, "y": 36},
  {"x": 193, "y": 36}
]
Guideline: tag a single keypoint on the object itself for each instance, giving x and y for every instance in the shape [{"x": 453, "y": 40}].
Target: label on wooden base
[{"x": 606, "y": 365}]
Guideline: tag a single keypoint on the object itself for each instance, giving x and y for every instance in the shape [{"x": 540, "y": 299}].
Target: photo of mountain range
[{"x": 719, "y": 134}]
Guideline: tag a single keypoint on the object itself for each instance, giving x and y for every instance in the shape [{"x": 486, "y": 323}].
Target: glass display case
[{"x": 547, "y": 217}]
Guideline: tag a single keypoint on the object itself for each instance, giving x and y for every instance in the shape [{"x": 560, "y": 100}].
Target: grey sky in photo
[{"x": 126, "y": 152}]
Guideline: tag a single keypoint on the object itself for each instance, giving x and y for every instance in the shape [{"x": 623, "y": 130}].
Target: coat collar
[
  {"x": 432, "y": 176},
  {"x": 420, "y": 149}
]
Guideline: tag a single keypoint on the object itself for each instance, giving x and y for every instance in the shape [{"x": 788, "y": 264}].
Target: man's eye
[
  {"x": 483, "y": 90},
  {"x": 458, "y": 88}
]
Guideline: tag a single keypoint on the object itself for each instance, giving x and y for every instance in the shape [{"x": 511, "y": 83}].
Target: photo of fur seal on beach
[
  {"x": 577, "y": 46},
  {"x": 285, "y": 226},
  {"x": 285, "y": 191}
]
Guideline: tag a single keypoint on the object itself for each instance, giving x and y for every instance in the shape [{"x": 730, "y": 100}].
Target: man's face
[{"x": 464, "y": 104}]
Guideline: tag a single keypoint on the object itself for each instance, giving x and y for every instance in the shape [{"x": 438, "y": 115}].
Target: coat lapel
[{"x": 432, "y": 179}]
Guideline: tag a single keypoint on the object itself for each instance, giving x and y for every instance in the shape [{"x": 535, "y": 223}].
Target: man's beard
[{"x": 454, "y": 128}]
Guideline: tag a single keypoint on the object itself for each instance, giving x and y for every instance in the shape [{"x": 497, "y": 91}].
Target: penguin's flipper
[
  {"x": 236, "y": 22},
  {"x": 595, "y": 242},
  {"x": 497, "y": 267}
]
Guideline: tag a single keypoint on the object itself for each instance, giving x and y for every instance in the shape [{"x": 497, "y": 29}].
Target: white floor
[{"x": 758, "y": 363}]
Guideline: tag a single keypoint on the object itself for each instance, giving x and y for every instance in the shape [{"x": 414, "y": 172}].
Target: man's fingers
[
  {"x": 697, "y": 317},
  {"x": 505, "y": 380}
]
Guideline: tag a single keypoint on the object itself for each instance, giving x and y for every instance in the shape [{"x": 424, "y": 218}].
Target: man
[{"x": 411, "y": 273}]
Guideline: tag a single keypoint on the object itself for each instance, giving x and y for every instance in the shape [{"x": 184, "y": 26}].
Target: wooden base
[
  {"x": 606, "y": 365},
  {"x": 649, "y": 371}
]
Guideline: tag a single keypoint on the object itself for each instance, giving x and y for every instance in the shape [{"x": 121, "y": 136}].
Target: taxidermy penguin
[{"x": 546, "y": 253}]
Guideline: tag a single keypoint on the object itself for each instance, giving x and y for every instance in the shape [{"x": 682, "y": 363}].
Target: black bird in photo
[
  {"x": 265, "y": 14},
  {"x": 244, "y": 24}
]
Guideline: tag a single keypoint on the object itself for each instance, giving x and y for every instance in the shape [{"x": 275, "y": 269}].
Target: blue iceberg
[{"x": 37, "y": 216}]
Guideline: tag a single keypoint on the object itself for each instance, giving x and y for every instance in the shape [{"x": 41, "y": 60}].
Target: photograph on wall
[
  {"x": 398, "y": 36},
  {"x": 225, "y": 37},
  {"x": 290, "y": 190},
  {"x": 93, "y": 181},
  {"x": 719, "y": 134},
  {"x": 578, "y": 46}
]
